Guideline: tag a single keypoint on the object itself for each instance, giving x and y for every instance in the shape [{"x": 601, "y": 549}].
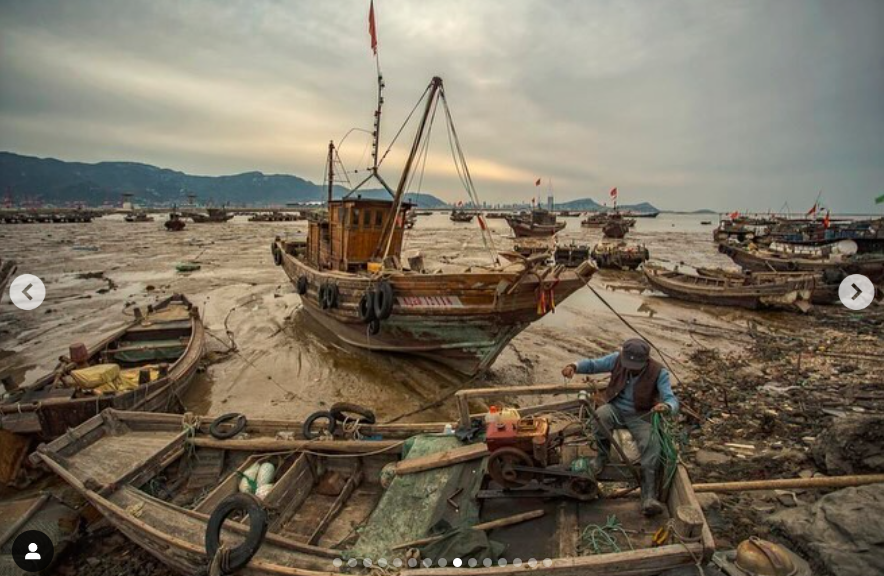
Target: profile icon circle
[{"x": 32, "y": 551}]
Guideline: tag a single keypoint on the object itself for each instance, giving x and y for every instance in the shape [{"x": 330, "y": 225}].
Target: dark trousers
[{"x": 613, "y": 418}]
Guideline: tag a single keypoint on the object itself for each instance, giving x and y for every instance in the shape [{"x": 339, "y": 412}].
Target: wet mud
[{"x": 772, "y": 380}]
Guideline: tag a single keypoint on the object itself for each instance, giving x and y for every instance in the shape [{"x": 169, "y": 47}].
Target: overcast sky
[{"x": 729, "y": 104}]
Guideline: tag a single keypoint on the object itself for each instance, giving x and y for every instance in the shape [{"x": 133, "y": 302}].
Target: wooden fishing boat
[
  {"x": 460, "y": 215},
  {"x": 7, "y": 271},
  {"x": 175, "y": 223},
  {"x": 619, "y": 255},
  {"x": 351, "y": 278},
  {"x": 211, "y": 215},
  {"x": 139, "y": 216},
  {"x": 276, "y": 216},
  {"x": 535, "y": 224},
  {"x": 825, "y": 288},
  {"x": 602, "y": 219},
  {"x": 870, "y": 265},
  {"x": 754, "y": 292},
  {"x": 615, "y": 229},
  {"x": 145, "y": 365},
  {"x": 166, "y": 485}
]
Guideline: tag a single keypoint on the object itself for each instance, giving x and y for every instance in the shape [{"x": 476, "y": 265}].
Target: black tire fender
[
  {"x": 320, "y": 296},
  {"x": 239, "y": 556},
  {"x": 301, "y": 285},
  {"x": 342, "y": 411},
  {"x": 331, "y": 295},
  {"x": 792, "y": 266},
  {"x": 366, "y": 307},
  {"x": 383, "y": 301},
  {"x": 238, "y": 426},
  {"x": 307, "y": 430}
]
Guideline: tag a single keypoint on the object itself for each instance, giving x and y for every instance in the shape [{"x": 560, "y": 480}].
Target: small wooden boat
[
  {"x": 619, "y": 255},
  {"x": 7, "y": 271},
  {"x": 754, "y": 292},
  {"x": 615, "y": 229},
  {"x": 602, "y": 219},
  {"x": 870, "y": 265},
  {"x": 211, "y": 215},
  {"x": 460, "y": 215},
  {"x": 496, "y": 215},
  {"x": 572, "y": 255},
  {"x": 145, "y": 365},
  {"x": 175, "y": 223},
  {"x": 138, "y": 216},
  {"x": 825, "y": 289},
  {"x": 276, "y": 216},
  {"x": 537, "y": 223},
  {"x": 322, "y": 505}
]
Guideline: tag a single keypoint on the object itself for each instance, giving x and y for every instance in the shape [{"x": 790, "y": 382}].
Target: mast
[
  {"x": 390, "y": 222},
  {"x": 376, "y": 134},
  {"x": 331, "y": 171}
]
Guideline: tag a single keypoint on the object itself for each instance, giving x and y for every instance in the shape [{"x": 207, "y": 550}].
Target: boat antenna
[{"x": 331, "y": 170}]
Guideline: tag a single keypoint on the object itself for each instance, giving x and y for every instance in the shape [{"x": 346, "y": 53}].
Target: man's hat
[{"x": 634, "y": 354}]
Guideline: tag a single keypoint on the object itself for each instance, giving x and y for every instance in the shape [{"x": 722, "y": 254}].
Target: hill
[
  {"x": 51, "y": 181},
  {"x": 588, "y": 204}
]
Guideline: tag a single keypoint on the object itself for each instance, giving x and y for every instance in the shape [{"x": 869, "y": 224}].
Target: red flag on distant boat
[
  {"x": 372, "y": 29},
  {"x": 826, "y": 221},
  {"x": 537, "y": 183},
  {"x": 734, "y": 214},
  {"x": 812, "y": 210},
  {"x": 459, "y": 203},
  {"x": 613, "y": 192}
]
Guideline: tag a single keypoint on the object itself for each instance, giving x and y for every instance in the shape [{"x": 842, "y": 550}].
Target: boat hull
[
  {"x": 873, "y": 268},
  {"x": 794, "y": 295},
  {"x": 463, "y": 321},
  {"x": 526, "y": 230}
]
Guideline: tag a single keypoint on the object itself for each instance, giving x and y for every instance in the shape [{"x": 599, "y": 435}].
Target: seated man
[{"x": 639, "y": 386}]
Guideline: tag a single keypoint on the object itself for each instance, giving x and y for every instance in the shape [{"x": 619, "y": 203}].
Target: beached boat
[
  {"x": 602, "y": 219},
  {"x": 870, "y": 265},
  {"x": 211, "y": 215},
  {"x": 145, "y": 365},
  {"x": 276, "y": 216},
  {"x": 324, "y": 506},
  {"x": 350, "y": 275},
  {"x": 7, "y": 271},
  {"x": 619, "y": 255},
  {"x": 175, "y": 223},
  {"x": 138, "y": 216},
  {"x": 460, "y": 215},
  {"x": 539, "y": 222},
  {"x": 615, "y": 228},
  {"x": 825, "y": 288},
  {"x": 496, "y": 215},
  {"x": 788, "y": 292}
]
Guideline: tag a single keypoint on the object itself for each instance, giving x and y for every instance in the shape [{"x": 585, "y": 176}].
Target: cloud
[{"x": 681, "y": 103}]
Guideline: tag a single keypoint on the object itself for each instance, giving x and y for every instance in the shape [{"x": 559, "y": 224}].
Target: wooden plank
[
  {"x": 682, "y": 493},
  {"x": 493, "y": 524},
  {"x": 351, "y": 485},
  {"x": 442, "y": 459},
  {"x": 272, "y": 445},
  {"x": 299, "y": 473}
]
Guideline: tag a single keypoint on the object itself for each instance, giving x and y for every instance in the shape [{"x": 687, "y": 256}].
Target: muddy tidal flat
[{"x": 770, "y": 380}]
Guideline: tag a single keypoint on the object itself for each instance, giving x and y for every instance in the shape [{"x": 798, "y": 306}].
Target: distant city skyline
[{"x": 683, "y": 104}]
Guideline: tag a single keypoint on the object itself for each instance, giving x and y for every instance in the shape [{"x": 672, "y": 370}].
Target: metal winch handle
[{"x": 583, "y": 397}]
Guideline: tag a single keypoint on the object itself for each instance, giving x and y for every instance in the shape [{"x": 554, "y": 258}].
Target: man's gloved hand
[
  {"x": 569, "y": 370},
  {"x": 661, "y": 407}
]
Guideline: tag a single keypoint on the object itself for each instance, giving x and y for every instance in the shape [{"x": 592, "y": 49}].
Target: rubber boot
[{"x": 650, "y": 505}]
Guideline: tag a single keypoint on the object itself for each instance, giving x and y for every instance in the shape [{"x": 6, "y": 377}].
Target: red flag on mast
[
  {"x": 812, "y": 209},
  {"x": 372, "y": 29},
  {"x": 826, "y": 221},
  {"x": 537, "y": 183},
  {"x": 614, "y": 192}
]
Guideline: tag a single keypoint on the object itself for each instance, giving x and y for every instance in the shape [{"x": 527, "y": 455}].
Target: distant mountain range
[
  {"x": 51, "y": 181},
  {"x": 47, "y": 180}
]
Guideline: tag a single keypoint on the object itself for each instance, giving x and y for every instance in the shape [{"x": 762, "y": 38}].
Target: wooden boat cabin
[{"x": 348, "y": 239}]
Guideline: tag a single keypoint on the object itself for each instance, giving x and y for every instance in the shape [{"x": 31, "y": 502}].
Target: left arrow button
[{"x": 27, "y": 292}]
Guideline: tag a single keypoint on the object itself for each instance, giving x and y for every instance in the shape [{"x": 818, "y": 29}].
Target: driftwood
[{"x": 791, "y": 483}]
